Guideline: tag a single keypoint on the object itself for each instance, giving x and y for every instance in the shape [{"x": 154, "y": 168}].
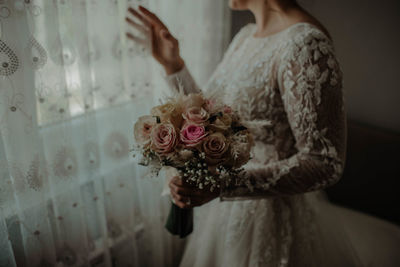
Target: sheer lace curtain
[{"x": 71, "y": 87}]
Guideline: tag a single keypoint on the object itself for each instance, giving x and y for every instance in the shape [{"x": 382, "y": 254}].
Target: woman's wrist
[{"x": 175, "y": 67}]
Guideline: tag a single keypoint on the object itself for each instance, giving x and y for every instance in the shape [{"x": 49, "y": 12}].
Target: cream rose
[
  {"x": 168, "y": 112},
  {"x": 163, "y": 138},
  {"x": 142, "y": 129},
  {"x": 197, "y": 115},
  {"x": 163, "y": 110}
]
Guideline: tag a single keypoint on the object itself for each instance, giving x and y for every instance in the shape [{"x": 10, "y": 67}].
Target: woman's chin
[{"x": 236, "y": 5}]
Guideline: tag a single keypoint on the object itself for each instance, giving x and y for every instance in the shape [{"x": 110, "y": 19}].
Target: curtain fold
[{"x": 71, "y": 88}]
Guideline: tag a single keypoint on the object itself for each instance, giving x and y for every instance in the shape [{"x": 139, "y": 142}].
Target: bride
[{"x": 282, "y": 75}]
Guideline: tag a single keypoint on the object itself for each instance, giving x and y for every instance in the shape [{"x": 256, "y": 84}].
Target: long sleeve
[
  {"x": 183, "y": 80},
  {"x": 310, "y": 85}
]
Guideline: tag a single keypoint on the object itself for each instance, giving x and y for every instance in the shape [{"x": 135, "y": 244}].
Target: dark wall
[
  {"x": 239, "y": 19},
  {"x": 370, "y": 181}
]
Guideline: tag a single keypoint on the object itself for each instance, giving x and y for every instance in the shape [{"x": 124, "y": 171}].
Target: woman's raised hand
[
  {"x": 188, "y": 196},
  {"x": 164, "y": 47}
]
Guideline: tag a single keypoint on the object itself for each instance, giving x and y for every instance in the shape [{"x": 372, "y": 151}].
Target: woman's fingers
[
  {"x": 137, "y": 26},
  {"x": 184, "y": 190},
  {"x": 152, "y": 17},
  {"x": 147, "y": 17},
  {"x": 182, "y": 201},
  {"x": 180, "y": 198},
  {"x": 153, "y": 40},
  {"x": 179, "y": 190},
  {"x": 136, "y": 39},
  {"x": 176, "y": 180},
  {"x": 144, "y": 20},
  {"x": 181, "y": 194}
]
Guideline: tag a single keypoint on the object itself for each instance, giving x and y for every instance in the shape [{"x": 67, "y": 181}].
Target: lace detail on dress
[
  {"x": 182, "y": 81},
  {"x": 308, "y": 79}
]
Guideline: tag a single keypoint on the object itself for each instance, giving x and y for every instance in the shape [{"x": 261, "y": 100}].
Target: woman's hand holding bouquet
[{"x": 188, "y": 196}]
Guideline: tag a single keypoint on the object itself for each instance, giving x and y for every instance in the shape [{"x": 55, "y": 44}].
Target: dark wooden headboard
[{"x": 371, "y": 177}]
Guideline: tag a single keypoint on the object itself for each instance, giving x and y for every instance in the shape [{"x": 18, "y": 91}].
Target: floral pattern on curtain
[{"x": 71, "y": 87}]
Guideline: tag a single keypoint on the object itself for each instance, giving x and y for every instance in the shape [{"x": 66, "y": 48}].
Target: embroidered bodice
[{"x": 288, "y": 89}]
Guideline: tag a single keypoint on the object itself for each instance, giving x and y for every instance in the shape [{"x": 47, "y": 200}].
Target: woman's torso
[{"x": 247, "y": 79}]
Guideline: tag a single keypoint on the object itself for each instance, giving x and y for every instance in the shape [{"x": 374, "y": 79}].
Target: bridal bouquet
[{"x": 201, "y": 137}]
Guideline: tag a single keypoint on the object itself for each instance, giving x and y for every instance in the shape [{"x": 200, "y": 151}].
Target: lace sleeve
[
  {"x": 310, "y": 83},
  {"x": 183, "y": 80}
]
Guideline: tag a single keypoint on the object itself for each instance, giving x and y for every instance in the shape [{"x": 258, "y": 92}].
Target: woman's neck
[{"x": 273, "y": 16}]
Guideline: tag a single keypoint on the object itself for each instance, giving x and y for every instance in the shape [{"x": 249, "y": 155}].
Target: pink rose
[
  {"x": 214, "y": 146},
  {"x": 142, "y": 129},
  {"x": 163, "y": 138},
  {"x": 192, "y": 134},
  {"x": 197, "y": 115}
]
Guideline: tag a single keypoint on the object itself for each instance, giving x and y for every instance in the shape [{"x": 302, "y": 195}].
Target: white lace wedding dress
[{"x": 288, "y": 88}]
